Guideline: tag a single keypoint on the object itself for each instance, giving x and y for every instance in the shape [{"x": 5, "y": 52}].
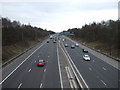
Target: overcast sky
[{"x": 59, "y": 15}]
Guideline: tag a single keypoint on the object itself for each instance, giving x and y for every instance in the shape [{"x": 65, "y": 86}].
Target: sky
[{"x": 59, "y": 15}]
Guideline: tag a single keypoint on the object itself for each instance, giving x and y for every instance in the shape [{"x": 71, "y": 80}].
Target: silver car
[
  {"x": 77, "y": 45},
  {"x": 72, "y": 46},
  {"x": 66, "y": 45},
  {"x": 86, "y": 57}
]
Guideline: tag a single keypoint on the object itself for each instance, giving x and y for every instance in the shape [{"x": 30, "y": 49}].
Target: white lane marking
[
  {"x": 48, "y": 56},
  {"x": 19, "y": 85},
  {"x": 35, "y": 62},
  {"x": 20, "y": 64},
  {"x": 70, "y": 77},
  {"x": 75, "y": 68},
  {"x": 103, "y": 82},
  {"x": 103, "y": 68},
  {"x": 90, "y": 69},
  {"x": 29, "y": 70},
  {"x": 41, "y": 85},
  {"x": 98, "y": 57},
  {"x": 38, "y": 56},
  {"x": 59, "y": 69},
  {"x": 44, "y": 70}
]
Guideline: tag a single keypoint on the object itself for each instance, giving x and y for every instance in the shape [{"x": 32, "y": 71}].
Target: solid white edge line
[
  {"x": 19, "y": 85},
  {"x": 66, "y": 68},
  {"x": 20, "y": 65},
  {"x": 59, "y": 69},
  {"x": 71, "y": 76},
  {"x": 71, "y": 66},
  {"x": 96, "y": 56},
  {"x": 75, "y": 67}
]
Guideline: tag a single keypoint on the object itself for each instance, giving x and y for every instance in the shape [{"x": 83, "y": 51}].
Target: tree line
[
  {"x": 105, "y": 32},
  {"x": 15, "y": 32},
  {"x": 104, "y": 35}
]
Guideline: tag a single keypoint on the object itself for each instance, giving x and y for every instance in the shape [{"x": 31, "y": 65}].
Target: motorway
[
  {"x": 24, "y": 73},
  {"x": 96, "y": 73},
  {"x": 28, "y": 75}
]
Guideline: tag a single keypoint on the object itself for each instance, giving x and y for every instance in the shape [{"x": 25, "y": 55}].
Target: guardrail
[
  {"x": 117, "y": 59},
  {"x": 8, "y": 61}
]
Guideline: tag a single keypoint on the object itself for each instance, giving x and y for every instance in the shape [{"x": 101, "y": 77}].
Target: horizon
[{"x": 60, "y": 15}]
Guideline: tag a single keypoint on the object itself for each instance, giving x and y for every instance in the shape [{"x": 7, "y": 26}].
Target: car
[
  {"x": 72, "y": 46},
  {"x": 86, "y": 57},
  {"x": 41, "y": 63},
  {"x": 54, "y": 41},
  {"x": 85, "y": 51},
  {"x": 47, "y": 41},
  {"x": 77, "y": 45},
  {"x": 66, "y": 45}
]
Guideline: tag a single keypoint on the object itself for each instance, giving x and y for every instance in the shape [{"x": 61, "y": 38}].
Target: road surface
[{"x": 24, "y": 73}]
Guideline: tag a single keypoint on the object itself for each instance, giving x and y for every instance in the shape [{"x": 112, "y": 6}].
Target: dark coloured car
[
  {"x": 54, "y": 41},
  {"x": 48, "y": 41},
  {"x": 85, "y": 51}
]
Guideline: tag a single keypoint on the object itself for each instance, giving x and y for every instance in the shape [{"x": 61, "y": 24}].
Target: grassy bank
[
  {"x": 12, "y": 50},
  {"x": 102, "y": 47}
]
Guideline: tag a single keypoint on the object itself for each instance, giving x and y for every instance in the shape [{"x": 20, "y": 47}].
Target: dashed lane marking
[
  {"x": 41, "y": 85},
  {"x": 44, "y": 70},
  {"x": 103, "y": 68},
  {"x": 19, "y": 85},
  {"x": 29, "y": 70},
  {"x": 103, "y": 82}
]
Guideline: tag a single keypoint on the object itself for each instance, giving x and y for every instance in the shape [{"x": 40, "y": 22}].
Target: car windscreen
[{"x": 40, "y": 61}]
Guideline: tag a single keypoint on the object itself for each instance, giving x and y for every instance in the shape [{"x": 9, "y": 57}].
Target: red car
[{"x": 41, "y": 63}]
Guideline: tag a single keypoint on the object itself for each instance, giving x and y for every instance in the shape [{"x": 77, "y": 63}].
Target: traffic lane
[
  {"x": 34, "y": 79},
  {"x": 107, "y": 70},
  {"x": 9, "y": 68},
  {"x": 19, "y": 73},
  {"x": 37, "y": 71},
  {"x": 85, "y": 72},
  {"x": 52, "y": 78},
  {"x": 76, "y": 57},
  {"x": 102, "y": 62},
  {"x": 79, "y": 49}
]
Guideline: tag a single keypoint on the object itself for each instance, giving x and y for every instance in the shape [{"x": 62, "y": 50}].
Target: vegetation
[
  {"x": 104, "y": 36},
  {"x": 16, "y": 37}
]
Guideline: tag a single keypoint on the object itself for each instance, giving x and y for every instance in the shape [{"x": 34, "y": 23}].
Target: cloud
[{"x": 60, "y": 15}]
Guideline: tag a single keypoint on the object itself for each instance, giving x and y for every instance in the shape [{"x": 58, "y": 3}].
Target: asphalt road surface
[
  {"x": 24, "y": 73},
  {"x": 28, "y": 75},
  {"x": 96, "y": 72}
]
